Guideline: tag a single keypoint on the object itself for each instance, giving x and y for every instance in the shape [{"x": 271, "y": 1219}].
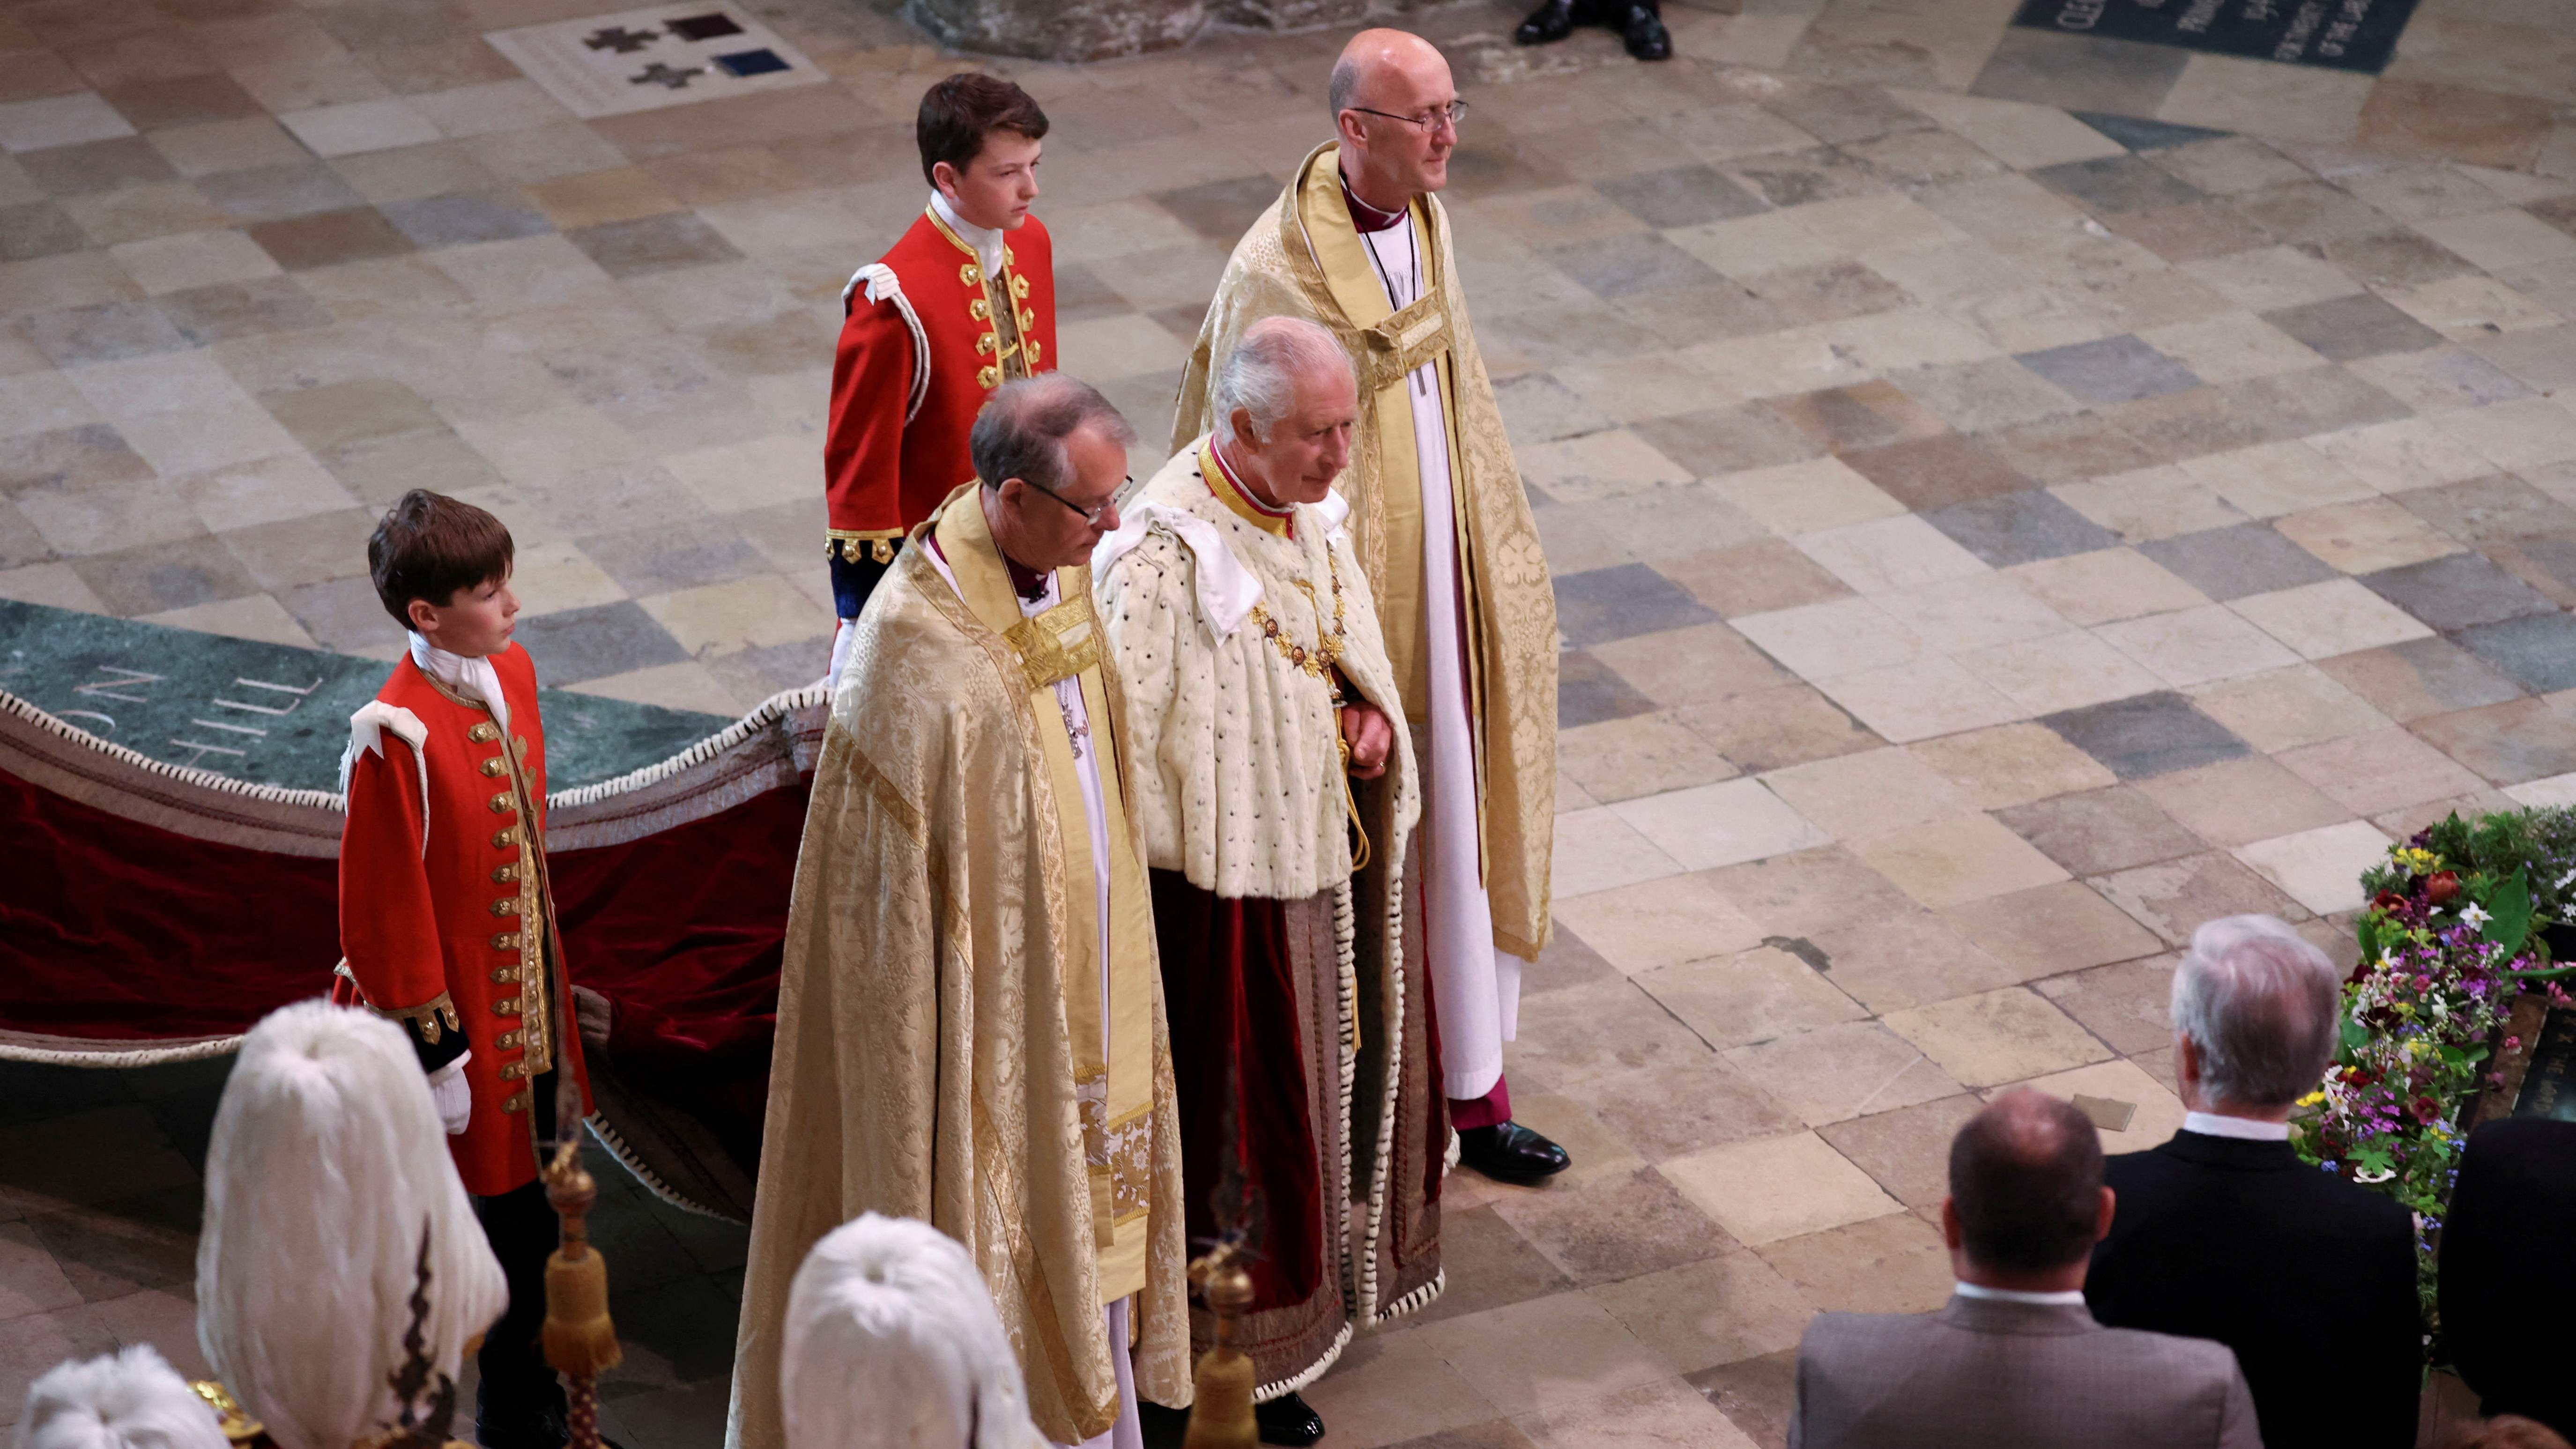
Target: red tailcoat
[
  {"x": 914, "y": 366},
  {"x": 445, "y": 912}
]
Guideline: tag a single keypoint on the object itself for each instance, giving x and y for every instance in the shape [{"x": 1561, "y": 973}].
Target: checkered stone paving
[{"x": 2012, "y": 497}]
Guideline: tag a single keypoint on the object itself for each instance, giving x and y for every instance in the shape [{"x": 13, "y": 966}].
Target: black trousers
[{"x": 517, "y": 1384}]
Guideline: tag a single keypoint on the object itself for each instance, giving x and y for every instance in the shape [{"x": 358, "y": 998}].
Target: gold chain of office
[{"x": 1328, "y": 647}]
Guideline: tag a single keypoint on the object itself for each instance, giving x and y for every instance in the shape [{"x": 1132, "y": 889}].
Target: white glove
[{"x": 452, "y": 1095}]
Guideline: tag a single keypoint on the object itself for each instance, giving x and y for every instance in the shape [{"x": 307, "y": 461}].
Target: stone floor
[{"x": 1990, "y": 539}]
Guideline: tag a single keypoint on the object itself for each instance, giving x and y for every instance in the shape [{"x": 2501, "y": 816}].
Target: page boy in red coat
[
  {"x": 446, "y": 918},
  {"x": 963, "y": 302}
]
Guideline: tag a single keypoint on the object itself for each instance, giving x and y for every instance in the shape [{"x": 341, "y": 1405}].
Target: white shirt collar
[
  {"x": 472, "y": 678},
  {"x": 2211, "y": 1124},
  {"x": 985, "y": 240},
  {"x": 2069, "y": 1297}
]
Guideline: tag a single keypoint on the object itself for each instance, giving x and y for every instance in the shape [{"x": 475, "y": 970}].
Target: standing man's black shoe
[
  {"x": 1288, "y": 1420},
  {"x": 1511, "y": 1152},
  {"x": 1644, "y": 31},
  {"x": 1552, "y": 20}
]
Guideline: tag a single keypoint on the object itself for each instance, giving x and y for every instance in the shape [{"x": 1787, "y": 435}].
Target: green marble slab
[{"x": 272, "y": 712}]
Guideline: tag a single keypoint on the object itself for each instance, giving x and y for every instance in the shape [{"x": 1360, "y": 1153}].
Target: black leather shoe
[
  {"x": 1645, "y": 33},
  {"x": 1512, "y": 1152},
  {"x": 1288, "y": 1420},
  {"x": 1552, "y": 20}
]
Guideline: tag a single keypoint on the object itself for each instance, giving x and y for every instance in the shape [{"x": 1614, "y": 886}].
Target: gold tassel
[
  {"x": 580, "y": 1341},
  {"x": 1351, "y": 807}
]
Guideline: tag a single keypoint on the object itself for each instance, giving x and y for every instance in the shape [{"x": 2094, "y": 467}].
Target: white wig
[
  {"x": 327, "y": 1168},
  {"x": 892, "y": 1343},
  {"x": 129, "y": 1400},
  {"x": 1260, "y": 374}
]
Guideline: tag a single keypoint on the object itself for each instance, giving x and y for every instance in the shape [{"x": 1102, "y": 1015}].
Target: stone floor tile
[
  {"x": 330, "y": 238},
  {"x": 2058, "y": 672},
  {"x": 2408, "y": 454},
  {"x": 1603, "y": 605},
  {"x": 2270, "y": 479},
  {"x": 1824, "y": 641},
  {"x": 2441, "y": 379},
  {"x": 1892, "y": 1264},
  {"x": 2173, "y": 897},
  {"x": 1616, "y": 1228},
  {"x": 1761, "y": 577},
  {"x": 2227, "y": 563},
  {"x": 1749, "y": 996},
  {"x": 1826, "y": 293},
  {"x": 106, "y": 332},
  {"x": 1771, "y": 728},
  {"x": 2020, "y": 528},
  {"x": 1757, "y": 1395},
  {"x": 1394, "y": 1387},
  {"x": 2519, "y": 435},
  {"x": 1951, "y": 862},
  {"x": 2308, "y": 213},
  {"x": 2101, "y": 830},
  {"x": 193, "y": 259},
  {"x": 1807, "y": 497},
  {"x": 2237, "y": 801},
  {"x": 2147, "y": 504},
  {"x": 345, "y": 614},
  {"x": 2059, "y": 69},
  {"x": 253, "y": 616},
  {"x": 1778, "y": 1188},
  {"x": 2270, "y": 278},
  {"x": 2420, "y": 677},
  {"x": 2231, "y": 347},
  {"x": 2365, "y": 537},
  {"x": 55, "y": 585},
  {"x": 2112, "y": 370},
  {"x": 2287, "y": 708},
  {"x": 1543, "y": 1354},
  {"x": 1939, "y": 471},
  {"x": 1597, "y": 850},
  {"x": 2456, "y": 592},
  {"x": 1590, "y": 692},
  {"x": 464, "y": 217},
  {"x": 2492, "y": 510},
  {"x": 2052, "y": 929},
  {"x": 1500, "y": 1266},
  {"x": 1716, "y": 1311},
  {"x": 1743, "y": 437},
  {"x": 2537, "y": 651},
  {"x": 1867, "y": 793},
  {"x": 1610, "y": 464},
  {"x": 1666, "y": 1112},
  {"x": 650, "y": 244},
  {"x": 2195, "y": 646},
  {"x": 206, "y": 315},
  {"x": 1630, "y": 264},
  {"x": 31, "y": 1282},
  {"x": 1864, "y": 415},
  {"x": 35, "y": 229},
  {"x": 581, "y": 644},
  {"x": 1921, "y": 700},
  {"x": 1640, "y": 755},
  {"x": 1720, "y": 824},
  {"x": 1808, "y": 891},
  {"x": 2504, "y": 238},
  {"x": 1827, "y": 1075},
  {"x": 1906, "y": 1151},
  {"x": 1668, "y": 1412},
  {"x": 2505, "y": 743},
  {"x": 2346, "y": 329},
  {"x": 2159, "y": 1112},
  {"x": 1891, "y": 960},
  {"x": 1673, "y": 522},
  {"x": 2188, "y": 231},
  {"x": 1981, "y": 396},
  {"x": 2320, "y": 868},
  {"x": 1996, "y": 1036},
  {"x": 2228, "y": 164},
  {"x": 2125, "y": 1003},
  {"x": 2323, "y": 620},
  {"x": 2104, "y": 585},
  {"x": 1658, "y": 922}
]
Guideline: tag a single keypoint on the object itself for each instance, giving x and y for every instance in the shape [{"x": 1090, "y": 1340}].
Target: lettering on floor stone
[{"x": 2337, "y": 34}]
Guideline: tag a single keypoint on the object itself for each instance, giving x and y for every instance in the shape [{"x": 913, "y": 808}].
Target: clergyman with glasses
[
  {"x": 1359, "y": 243},
  {"x": 970, "y": 968}
]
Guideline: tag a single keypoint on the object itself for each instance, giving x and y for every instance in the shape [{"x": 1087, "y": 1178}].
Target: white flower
[
  {"x": 2566, "y": 880},
  {"x": 2475, "y": 915},
  {"x": 2374, "y": 1176}
]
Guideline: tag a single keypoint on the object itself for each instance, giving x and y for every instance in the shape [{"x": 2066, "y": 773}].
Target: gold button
[
  {"x": 484, "y": 733},
  {"x": 507, "y": 1041},
  {"x": 512, "y": 1071},
  {"x": 501, "y": 804},
  {"x": 970, "y": 274},
  {"x": 517, "y": 1101},
  {"x": 506, "y": 941},
  {"x": 988, "y": 378},
  {"x": 980, "y": 309},
  {"x": 506, "y": 906},
  {"x": 493, "y": 767},
  {"x": 986, "y": 343},
  {"x": 505, "y": 837},
  {"x": 505, "y": 1006},
  {"x": 505, "y": 975},
  {"x": 504, "y": 874}
]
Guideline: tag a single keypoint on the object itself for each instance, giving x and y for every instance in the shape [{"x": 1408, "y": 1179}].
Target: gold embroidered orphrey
[{"x": 1305, "y": 259}]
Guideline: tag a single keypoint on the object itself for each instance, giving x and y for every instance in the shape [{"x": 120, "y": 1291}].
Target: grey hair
[
  {"x": 1342, "y": 91},
  {"x": 1022, "y": 430},
  {"x": 2261, "y": 1003},
  {"x": 1260, "y": 374}
]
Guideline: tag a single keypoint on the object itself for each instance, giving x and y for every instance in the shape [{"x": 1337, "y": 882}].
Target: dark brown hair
[
  {"x": 430, "y": 546},
  {"x": 2507, "y": 1431},
  {"x": 959, "y": 112},
  {"x": 2026, "y": 1178}
]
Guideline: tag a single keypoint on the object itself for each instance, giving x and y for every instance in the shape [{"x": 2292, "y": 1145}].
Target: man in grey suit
[{"x": 2014, "y": 1361}]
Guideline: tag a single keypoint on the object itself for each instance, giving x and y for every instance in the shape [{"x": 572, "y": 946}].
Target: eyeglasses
[
  {"x": 1090, "y": 516},
  {"x": 1453, "y": 113}
]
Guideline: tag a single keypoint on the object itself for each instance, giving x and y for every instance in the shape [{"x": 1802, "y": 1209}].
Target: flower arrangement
[{"x": 2444, "y": 949}]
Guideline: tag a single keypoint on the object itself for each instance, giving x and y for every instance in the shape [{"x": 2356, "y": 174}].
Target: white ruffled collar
[{"x": 473, "y": 678}]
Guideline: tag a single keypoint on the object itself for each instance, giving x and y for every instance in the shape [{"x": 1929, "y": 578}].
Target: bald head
[
  {"x": 2026, "y": 1183},
  {"x": 1391, "y": 92}
]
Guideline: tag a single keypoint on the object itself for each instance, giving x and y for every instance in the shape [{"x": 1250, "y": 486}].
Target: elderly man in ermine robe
[
  {"x": 1358, "y": 243},
  {"x": 970, "y": 1015},
  {"x": 1278, "y": 793}
]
